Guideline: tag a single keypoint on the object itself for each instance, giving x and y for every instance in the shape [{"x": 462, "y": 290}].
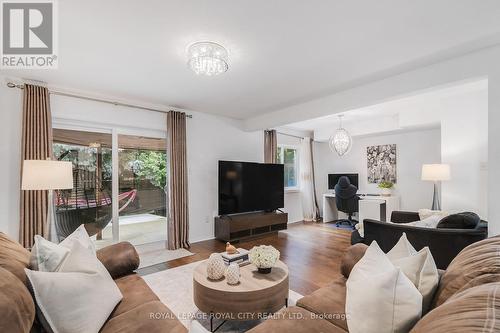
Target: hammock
[
  {"x": 81, "y": 203},
  {"x": 84, "y": 211}
]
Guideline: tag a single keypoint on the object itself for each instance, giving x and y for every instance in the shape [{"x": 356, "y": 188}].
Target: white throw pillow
[
  {"x": 79, "y": 297},
  {"x": 425, "y": 213},
  {"x": 360, "y": 227},
  {"x": 380, "y": 298},
  {"x": 81, "y": 235},
  {"x": 46, "y": 256},
  {"x": 429, "y": 222},
  {"x": 403, "y": 248},
  {"x": 419, "y": 267}
]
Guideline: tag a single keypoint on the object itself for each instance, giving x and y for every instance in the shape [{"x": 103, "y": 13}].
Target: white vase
[
  {"x": 215, "y": 267},
  {"x": 386, "y": 192},
  {"x": 233, "y": 273}
]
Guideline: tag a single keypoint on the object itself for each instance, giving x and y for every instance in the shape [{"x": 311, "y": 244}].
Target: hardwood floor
[{"x": 312, "y": 252}]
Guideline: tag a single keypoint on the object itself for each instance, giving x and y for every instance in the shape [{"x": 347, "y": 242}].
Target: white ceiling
[
  {"x": 377, "y": 114},
  {"x": 282, "y": 52}
]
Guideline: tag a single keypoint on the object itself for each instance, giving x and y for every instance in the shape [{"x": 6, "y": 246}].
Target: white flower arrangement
[{"x": 264, "y": 256}]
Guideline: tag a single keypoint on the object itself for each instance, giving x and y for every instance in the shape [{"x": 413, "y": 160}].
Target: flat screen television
[
  {"x": 249, "y": 187},
  {"x": 333, "y": 179}
]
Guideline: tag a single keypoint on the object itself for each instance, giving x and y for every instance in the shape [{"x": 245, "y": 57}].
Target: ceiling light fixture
[
  {"x": 207, "y": 58},
  {"x": 341, "y": 141}
]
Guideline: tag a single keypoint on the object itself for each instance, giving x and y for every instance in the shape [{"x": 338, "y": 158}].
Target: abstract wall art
[{"x": 381, "y": 163}]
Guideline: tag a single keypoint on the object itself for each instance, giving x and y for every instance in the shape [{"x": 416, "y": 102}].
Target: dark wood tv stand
[{"x": 230, "y": 228}]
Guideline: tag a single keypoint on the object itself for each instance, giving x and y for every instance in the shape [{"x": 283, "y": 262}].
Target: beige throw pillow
[
  {"x": 380, "y": 298},
  {"x": 419, "y": 267},
  {"x": 79, "y": 297}
]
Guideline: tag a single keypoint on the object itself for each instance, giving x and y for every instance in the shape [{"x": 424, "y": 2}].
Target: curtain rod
[
  {"x": 19, "y": 86},
  {"x": 295, "y": 136}
]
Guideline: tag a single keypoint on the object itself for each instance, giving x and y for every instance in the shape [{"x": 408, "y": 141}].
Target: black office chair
[{"x": 347, "y": 200}]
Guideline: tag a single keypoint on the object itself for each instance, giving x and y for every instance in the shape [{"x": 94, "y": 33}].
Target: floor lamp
[
  {"x": 47, "y": 175},
  {"x": 435, "y": 173}
]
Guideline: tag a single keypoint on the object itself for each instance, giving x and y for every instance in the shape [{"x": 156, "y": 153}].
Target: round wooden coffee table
[{"x": 255, "y": 295}]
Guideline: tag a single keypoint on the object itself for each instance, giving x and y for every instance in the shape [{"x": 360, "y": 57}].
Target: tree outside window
[{"x": 288, "y": 156}]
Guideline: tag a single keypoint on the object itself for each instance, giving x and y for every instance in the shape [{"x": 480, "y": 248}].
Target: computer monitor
[{"x": 333, "y": 179}]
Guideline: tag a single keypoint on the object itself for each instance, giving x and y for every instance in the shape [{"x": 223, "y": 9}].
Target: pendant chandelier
[
  {"x": 341, "y": 141},
  {"x": 207, "y": 58}
]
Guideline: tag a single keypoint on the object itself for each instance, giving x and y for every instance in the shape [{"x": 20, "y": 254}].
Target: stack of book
[{"x": 240, "y": 258}]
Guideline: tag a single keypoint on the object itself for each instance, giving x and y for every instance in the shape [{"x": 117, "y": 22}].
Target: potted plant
[
  {"x": 264, "y": 257},
  {"x": 386, "y": 187}
]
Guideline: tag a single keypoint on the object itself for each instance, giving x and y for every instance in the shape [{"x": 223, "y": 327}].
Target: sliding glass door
[
  {"x": 134, "y": 166},
  {"x": 142, "y": 181},
  {"x": 90, "y": 200}
]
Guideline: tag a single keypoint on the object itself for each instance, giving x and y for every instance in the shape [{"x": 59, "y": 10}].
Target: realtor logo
[{"x": 28, "y": 34}]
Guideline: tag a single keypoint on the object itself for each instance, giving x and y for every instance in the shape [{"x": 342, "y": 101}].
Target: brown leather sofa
[
  {"x": 467, "y": 299},
  {"x": 140, "y": 310}
]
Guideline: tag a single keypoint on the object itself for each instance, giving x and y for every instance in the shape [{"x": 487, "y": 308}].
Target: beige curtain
[
  {"x": 270, "y": 146},
  {"x": 36, "y": 145},
  {"x": 178, "y": 219},
  {"x": 310, "y": 209}
]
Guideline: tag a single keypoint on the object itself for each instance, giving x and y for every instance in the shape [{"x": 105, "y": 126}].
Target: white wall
[
  {"x": 209, "y": 138},
  {"x": 414, "y": 148},
  {"x": 10, "y": 149},
  {"x": 464, "y": 145},
  {"x": 494, "y": 151}
]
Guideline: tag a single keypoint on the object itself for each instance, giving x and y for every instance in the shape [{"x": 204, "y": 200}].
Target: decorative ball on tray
[
  {"x": 215, "y": 267},
  {"x": 264, "y": 257}
]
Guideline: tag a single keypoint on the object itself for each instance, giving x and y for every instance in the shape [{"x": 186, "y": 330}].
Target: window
[{"x": 288, "y": 155}]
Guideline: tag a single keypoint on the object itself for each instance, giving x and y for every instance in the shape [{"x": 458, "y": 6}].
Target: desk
[{"x": 370, "y": 207}]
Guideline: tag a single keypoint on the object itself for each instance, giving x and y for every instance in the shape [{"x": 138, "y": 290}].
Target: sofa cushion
[
  {"x": 151, "y": 317},
  {"x": 13, "y": 257},
  {"x": 329, "y": 302},
  {"x": 296, "y": 320},
  {"x": 473, "y": 310},
  {"x": 465, "y": 220},
  {"x": 16, "y": 305},
  {"x": 135, "y": 292},
  {"x": 353, "y": 254},
  {"x": 477, "y": 263}
]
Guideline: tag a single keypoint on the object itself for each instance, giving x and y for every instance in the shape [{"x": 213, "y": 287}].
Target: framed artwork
[{"x": 381, "y": 163}]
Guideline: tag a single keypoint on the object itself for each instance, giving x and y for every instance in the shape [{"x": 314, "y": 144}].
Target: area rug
[
  {"x": 174, "y": 287},
  {"x": 156, "y": 253}
]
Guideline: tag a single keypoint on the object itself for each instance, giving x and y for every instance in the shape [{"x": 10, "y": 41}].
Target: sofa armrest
[
  {"x": 404, "y": 217},
  {"x": 350, "y": 258},
  {"x": 119, "y": 259}
]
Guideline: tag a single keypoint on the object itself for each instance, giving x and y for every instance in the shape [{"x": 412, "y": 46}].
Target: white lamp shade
[
  {"x": 435, "y": 172},
  {"x": 47, "y": 175}
]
